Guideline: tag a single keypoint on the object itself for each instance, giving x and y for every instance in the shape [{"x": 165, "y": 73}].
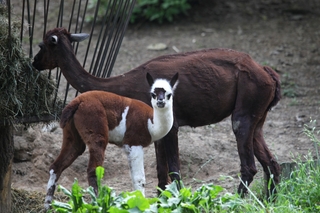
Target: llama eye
[
  {"x": 54, "y": 39},
  {"x": 153, "y": 95},
  {"x": 169, "y": 96}
]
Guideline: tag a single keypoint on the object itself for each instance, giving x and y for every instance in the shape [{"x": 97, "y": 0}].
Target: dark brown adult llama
[{"x": 213, "y": 84}]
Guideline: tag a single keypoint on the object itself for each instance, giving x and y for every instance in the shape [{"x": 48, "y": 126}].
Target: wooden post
[{"x": 6, "y": 157}]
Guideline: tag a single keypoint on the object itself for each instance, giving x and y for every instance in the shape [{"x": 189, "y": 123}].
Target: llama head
[
  {"x": 55, "y": 43},
  {"x": 162, "y": 91}
]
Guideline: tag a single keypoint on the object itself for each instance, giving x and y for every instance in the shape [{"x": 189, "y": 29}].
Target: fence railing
[{"x": 105, "y": 21}]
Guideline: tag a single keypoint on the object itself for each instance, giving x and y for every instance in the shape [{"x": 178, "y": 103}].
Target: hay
[
  {"x": 29, "y": 201},
  {"x": 25, "y": 92}
]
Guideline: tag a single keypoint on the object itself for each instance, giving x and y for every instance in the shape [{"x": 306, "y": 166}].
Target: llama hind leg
[
  {"x": 69, "y": 152},
  {"x": 136, "y": 165},
  {"x": 264, "y": 156},
  {"x": 243, "y": 128},
  {"x": 92, "y": 126}
]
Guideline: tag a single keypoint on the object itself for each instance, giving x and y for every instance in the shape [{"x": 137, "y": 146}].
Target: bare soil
[{"x": 282, "y": 34}]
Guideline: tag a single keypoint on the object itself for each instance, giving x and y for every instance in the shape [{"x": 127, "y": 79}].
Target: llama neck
[
  {"x": 162, "y": 123},
  {"x": 129, "y": 84},
  {"x": 77, "y": 76}
]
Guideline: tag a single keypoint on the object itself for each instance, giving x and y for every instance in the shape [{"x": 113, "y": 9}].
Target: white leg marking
[
  {"x": 50, "y": 189},
  {"x": 135, "y": 159},
  {"x": 235, "y": 125}
]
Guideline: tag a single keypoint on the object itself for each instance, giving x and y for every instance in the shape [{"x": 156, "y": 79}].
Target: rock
[
  {"x": 22, "y": 150},
  {"x": 158, "y": 46}
]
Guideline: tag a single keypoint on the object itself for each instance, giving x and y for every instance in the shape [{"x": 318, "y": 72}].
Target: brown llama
[
  {"x": 96, "y": 118},
  {"x": 214, "y": 84}
]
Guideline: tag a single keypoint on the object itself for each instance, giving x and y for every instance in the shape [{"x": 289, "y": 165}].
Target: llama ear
[
  {"x": 173, "y": 81},
  {"x": 77, "y": 37},
  {"x": 150, "y": 79}
]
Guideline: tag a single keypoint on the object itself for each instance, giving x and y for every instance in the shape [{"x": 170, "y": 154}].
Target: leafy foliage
[
  {"x": 150, "y": 10},
  {"x": 171, "y": 200},
  {"x": 159, "y": 10}
]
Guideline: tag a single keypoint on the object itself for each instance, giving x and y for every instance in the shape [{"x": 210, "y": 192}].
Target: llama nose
[{"x": 161, "y": 103}]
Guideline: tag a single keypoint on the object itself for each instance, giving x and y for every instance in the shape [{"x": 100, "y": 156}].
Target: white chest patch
[{"x": 116, "y": 135}]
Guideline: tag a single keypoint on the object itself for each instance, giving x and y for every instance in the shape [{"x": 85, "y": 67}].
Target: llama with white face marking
[{"x": 96, "y": 118}]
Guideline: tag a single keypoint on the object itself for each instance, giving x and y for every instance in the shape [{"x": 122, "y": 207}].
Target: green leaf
[
  {"x": 139, "y": 201},
  {"x": 60, "y": 206},
  {"x": 99, "y": 174},
  {"x": 92, "y": 194},
  {"x": 173, "y": 188},
  {"x": 114, "y": 209},
  {"x": 64, "y": 190},
  {"x": 186, "y": 193},
  {"x": 76, "y": 195},
  {"x": 174, "y": 201}
]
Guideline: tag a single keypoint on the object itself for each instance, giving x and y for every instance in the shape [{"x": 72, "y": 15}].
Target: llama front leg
[{"x": 136, "y": 165}]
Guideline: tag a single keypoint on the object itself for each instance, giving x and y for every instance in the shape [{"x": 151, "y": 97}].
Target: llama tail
[
  {"x": 68, "y": 112},
  {"x": 276, "y": 78}
]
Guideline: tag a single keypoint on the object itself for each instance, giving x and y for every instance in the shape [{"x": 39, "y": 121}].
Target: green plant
[
  {"x": 159, "y": 10},
  {"x": 106, "y": 201},
  {"x": 151, "y": 10},
  {"x": 303, "y": 188},
  {"x": 204, "y": 199},
  {"x": 312, "y": 133}
]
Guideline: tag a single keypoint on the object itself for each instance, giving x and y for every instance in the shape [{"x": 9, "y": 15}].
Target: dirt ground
[{"x": 282, "y": 34}]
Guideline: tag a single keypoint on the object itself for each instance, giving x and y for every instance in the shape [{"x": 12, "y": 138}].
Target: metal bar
[
  {"x": 69, "y": 30},
  {"x": 32, "y": 28},
  {"x": 76, "y": 45},
  {"x": 22, "y": 21},
  {"x": 80, "y": 30},
  {"x": 29, "y": 26},
  {"x": 83, "y": 20},
  {"x": 90, "y": 38},
  {"x": 111, "y": 36},
  {"x": 102, "y": 45},
  {"x": 112, "y": 25},
  {"x": 71, "y": 16},
  {"x": 60, "y": 16},
  {"x": 45, "y": 15},
  {"x": 115, "y": 40},
  {"x": 124, "y": 20},
  {"x": 121, "y": 37},
  {"x": 36, "y": 119},
  {"x": 9, "y": 19}
]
